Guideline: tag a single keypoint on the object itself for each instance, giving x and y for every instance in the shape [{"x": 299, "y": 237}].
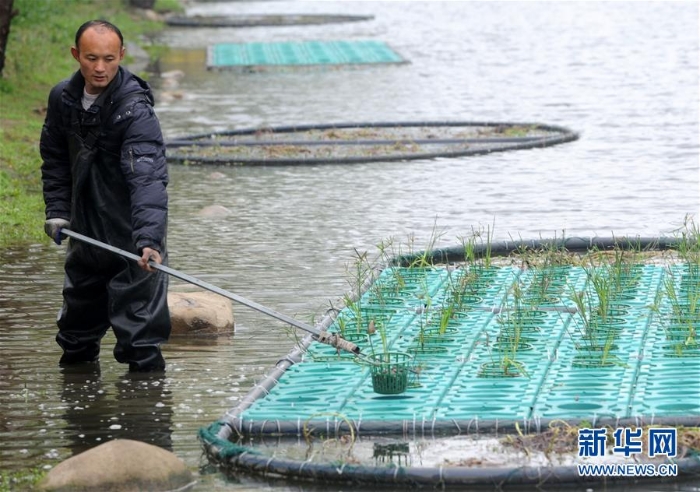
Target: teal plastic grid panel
[
  {"x": 513, "y": 403},
  {"x": 647, "y": 377},
  {"x": 308, "y": 389},
  {"x": 574, "y": 390},
  {"x": 668, "y": 386},
  {"x": 669, "y": 375},
  {"x": 482, "y": 398},
  {"x": 291, "y": 53},
  {"x": 578, "y": 392}
]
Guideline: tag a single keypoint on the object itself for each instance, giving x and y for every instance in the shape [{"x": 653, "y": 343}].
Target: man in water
[{"x": 104, "y": 175}]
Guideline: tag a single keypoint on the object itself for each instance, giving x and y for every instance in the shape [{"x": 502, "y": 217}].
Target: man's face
[{"x": 99, "y": 55}]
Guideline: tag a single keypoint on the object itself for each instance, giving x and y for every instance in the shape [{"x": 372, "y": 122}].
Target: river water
[{"x": 623, "y": 75}]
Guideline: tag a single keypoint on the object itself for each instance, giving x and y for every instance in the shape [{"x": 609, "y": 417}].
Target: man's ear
[
  {"x": 76, "y": 54},
  {"x": 121, "y": 53}
]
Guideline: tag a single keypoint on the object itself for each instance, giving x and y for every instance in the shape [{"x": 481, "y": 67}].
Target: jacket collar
[{"x": 76, "y": 85}]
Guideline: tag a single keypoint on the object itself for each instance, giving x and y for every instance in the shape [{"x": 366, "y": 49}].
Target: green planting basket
[{"x": 390, "y": 372}]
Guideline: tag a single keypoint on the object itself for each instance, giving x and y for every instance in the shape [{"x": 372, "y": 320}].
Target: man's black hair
[{"x": 98, "y": 22}]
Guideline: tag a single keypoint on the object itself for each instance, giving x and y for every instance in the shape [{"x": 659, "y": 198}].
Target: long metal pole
[{"x": 320, "y": 336}]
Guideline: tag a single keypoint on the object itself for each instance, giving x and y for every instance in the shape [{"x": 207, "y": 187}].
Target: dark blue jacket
[{"x": 104, "y": 169}]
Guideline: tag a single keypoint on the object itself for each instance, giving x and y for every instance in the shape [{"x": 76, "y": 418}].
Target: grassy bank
[{"x": 37, "y": 57}]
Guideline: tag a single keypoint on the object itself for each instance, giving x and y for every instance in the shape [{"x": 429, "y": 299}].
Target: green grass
[
  {"x": 21, "y": 480},
  {"x": 37, "y": 57}
]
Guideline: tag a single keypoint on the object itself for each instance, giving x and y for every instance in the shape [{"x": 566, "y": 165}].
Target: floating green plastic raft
[
  {"x": 492, "y": 351},
  {"x": 556, "y": 369},
  {"x": 300, "y": 53}
]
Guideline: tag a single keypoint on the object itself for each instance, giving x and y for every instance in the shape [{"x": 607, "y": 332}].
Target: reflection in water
[
  {"x": 396, "y": 454},
  {"x": 137, "y": 406}
]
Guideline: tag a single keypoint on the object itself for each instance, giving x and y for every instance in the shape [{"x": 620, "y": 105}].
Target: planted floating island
[
  {"x": 523, "y": 343},
  {"x": 349, "y": 143}
]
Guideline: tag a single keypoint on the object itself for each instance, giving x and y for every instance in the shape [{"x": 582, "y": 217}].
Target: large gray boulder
[
  {"x": 121, "y": 465},
  {"x": 203, "y": 313}
]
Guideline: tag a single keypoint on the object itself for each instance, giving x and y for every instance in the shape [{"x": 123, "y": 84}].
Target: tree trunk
[{"x": 6, "y": 15}]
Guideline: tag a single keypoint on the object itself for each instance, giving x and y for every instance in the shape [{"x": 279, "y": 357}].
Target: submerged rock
[
  {"x": 214, "y": 211},
  {"x": 121, "y": 465},
  {"x": 200, "y": 313}
]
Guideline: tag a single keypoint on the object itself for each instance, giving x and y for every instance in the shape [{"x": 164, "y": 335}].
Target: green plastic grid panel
[
  {"x": 301, "y": 53},
  {"x": 649, "y": 379},
  {"x": 309, "y": 389},
  {"x": 471, "y": 392},
  {"x": 668, "y": 377},
  {"x": 668, "y": 387},
  {"x": 564, "y": 385}
]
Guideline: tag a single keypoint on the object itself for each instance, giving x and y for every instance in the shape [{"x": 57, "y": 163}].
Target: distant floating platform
[
  {"x": 348, "y": 143},
  {"x": 263, "y": 20},
  {"x": 300, "y": 53}
]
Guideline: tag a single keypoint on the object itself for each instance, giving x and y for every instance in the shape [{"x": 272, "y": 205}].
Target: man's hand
[
  {"x": 149, "y": 254},
  {"x": 53, "y": 227}
]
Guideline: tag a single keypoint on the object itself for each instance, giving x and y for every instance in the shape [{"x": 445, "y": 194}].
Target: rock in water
[
  {"x": 214, "y": 211},
  {"x": 121, "y": 465},
  {"x": 200, "y": 313}
]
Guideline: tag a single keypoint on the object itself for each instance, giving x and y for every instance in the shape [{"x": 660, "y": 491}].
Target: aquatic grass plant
[
  {"x": 360, "y": 274},
  {"x": 689, "y": 246},
  {"x": 624, "y": 269},
  {"x": 613, "y": 278},
  {"x": 309, "y": 432},
  {"x": 547, "y": 267},
  {"x": 681, "y": 320},
  {"x": 387, "y": 254},
  {"x": 545, "y": 287},
  {"x": 457, "y": 302},
  {"x": 503, "y": 367},
  {"x": 482, "y": 241},
  {"x": 597, "y": 338},
  {"x": 435, "y": 329},
  {"x": 685, "y": 303},
  {"x": 604, "y": 293},
  {"x": 410, "y": 267},
  {"x": 509, "y": 341},
  {"x": 424, "y": 257},
  {"x": 462, "y": 290}
]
